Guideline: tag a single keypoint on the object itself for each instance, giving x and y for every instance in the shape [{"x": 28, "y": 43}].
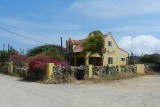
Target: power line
[
  {"x": 19, "y": 28},
  {"x": 23, "y": 36},
  {"x": 33, "y": 33}
]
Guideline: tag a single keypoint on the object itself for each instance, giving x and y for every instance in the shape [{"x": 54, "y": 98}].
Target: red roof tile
[
  {"x": 78, "y": 48},
  {"x": 76, "y": 42}
]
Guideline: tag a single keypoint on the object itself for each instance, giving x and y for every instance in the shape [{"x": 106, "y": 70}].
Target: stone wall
[
  {"x": 152, "y": 69},
  {"x": 98, "y": 71},
  {"x": 15, "y": 69},
  {"x": 63, "y": 71},
  {"x": 4, "y": 69}
]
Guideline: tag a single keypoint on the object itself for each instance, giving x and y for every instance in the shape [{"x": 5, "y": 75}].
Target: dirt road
[{"x": 137, "y": 92}]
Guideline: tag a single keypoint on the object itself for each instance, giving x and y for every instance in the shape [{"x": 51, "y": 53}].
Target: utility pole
[
  {"x": 134, "y": 59},
  {"x": 61, "y": 44}
]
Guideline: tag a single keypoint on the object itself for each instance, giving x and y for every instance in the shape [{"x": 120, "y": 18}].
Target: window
[
  {"x": 123, "y": 59},
  {"x": 110, "y": 60},
  {"x": 109, "y": 43}
]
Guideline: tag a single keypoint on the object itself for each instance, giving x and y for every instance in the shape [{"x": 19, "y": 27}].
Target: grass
[
  {"x": 108, "y": 78},
  {"x": 60, "y": 80},
  {"x": 103, "y": 79},
  {"x": 16, "y": 75}
]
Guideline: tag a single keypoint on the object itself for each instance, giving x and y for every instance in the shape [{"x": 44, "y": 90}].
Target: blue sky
[{"x": 135, "y": 24}]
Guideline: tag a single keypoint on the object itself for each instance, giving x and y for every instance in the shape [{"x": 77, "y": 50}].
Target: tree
[
  {"x": 151, "y": 58},
  {"x": 94, "y": 43},
  {"x": 4, "y": 55}
]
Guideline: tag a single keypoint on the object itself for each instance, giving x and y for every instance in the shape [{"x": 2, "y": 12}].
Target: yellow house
[{"x": 112, "y": 56}]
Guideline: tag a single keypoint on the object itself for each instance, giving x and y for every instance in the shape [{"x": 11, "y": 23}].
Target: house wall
[
  {"x": 77, "y": 55},
  {"x": 121, "y": 54},
  {"x": 113, "y": 51},
  {"x": 74, "y": 46}
]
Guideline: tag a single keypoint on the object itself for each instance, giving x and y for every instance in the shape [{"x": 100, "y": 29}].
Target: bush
[
  {"x": 4, "y": 55},
  {"x": 53, "y": 51},
  {"x": 37, "y": 66},
  {"x": 155, "y": 67},
  {"x": 1, "y": 64}
]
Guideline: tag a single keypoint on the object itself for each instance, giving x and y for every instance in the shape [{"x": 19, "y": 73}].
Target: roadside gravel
[{"x": 137, "y": 92}]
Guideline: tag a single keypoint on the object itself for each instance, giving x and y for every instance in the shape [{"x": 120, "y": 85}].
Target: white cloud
[
  {"x": 115, "y": 8},
  {"x": 146, "y": 44},
  {"x": 134, "y": 30}
]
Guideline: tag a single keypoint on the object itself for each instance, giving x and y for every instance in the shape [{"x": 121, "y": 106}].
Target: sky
[{"x": 134, "y": 24}]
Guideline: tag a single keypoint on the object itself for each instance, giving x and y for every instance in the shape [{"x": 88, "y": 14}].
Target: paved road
[{"x": 137, "y": 92}]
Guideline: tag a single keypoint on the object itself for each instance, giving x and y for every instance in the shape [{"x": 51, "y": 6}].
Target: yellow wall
[
  {"x": 140, "y": 69},
  {"x": 114, "y": 51},
  {"x": 49, "y": 70},
  {"x": 74, "y": 46}
]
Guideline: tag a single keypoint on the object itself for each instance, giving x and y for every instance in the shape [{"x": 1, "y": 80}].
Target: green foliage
[
  {"x": 152, "y": 58},
  {"x": 94, "y": 43},
  {"x": 47, "y": 50},
  {"x": 4, "y": 55}
]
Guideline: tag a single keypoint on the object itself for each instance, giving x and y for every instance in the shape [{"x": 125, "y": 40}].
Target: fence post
[
  {"x": 8, "y": 71},
  {"x": 26, "y": 69},
  {"x": 140, "y": 69},
  {"x": 90, "y": 71},
  {"x": 50, "y": 72},
  {"x": 119, "y": 69},
  {"x": 10, "y": 68}
]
